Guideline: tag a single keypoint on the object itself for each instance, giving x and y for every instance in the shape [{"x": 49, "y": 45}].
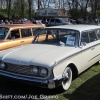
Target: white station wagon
[{"x": 56, "y": 55}]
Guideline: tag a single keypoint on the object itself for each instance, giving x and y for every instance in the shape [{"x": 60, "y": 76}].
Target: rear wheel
[{"x": 67, "y": 78}]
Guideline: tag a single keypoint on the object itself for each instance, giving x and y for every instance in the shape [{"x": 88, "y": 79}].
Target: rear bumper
[{"x": 50, "y": 83}]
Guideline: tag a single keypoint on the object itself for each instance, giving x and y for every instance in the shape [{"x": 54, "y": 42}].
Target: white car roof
[{"x": 78, "y": 27}]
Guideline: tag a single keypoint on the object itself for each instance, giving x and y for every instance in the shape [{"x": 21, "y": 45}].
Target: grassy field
[{"x": 84, "y": 87}]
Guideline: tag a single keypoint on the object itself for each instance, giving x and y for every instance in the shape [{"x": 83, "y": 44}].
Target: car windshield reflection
[
  {"x": 3, "y": 32},
  {"x": 65, "y": 37}
]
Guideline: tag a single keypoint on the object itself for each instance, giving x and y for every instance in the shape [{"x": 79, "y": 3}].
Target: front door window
[{"x": 14, "y": 34}]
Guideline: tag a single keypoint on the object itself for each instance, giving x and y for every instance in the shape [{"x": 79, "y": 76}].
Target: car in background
[
  {"x": 55, "y": 22},
  {"x": 27, "y": 22},
  {"x": 56, "y": 56},
  {"x": 17, "y": 34}
]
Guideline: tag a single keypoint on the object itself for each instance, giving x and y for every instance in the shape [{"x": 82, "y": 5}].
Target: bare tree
[
  {"x": 94, "y": 5},
  {"x": 22, "y": 8},
  {"x": 44, "y": 3},
  {"x": 30, "y": 2},
  {"x": 9, "y": 8},
  {"x": 1, "y": 3},
  {"x": 38, "y": 4}
]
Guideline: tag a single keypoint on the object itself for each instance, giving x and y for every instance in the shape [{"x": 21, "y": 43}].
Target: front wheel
[{"x": 67, "y": 78}]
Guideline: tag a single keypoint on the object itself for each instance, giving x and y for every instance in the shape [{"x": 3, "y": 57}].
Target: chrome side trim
[
  {"x": 22, "y": 77},
  {"x": 94, "y": 57},
  {"x": 75, "y": 54}
]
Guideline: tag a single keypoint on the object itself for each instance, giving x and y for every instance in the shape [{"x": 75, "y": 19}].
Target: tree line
[{"x": 27, "y": 8}]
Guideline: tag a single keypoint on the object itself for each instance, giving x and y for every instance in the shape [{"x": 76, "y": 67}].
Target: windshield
[
  {"x": 3, "y": 32},
  {"x": 63, "y": 21},
  {"x": 52, "y": 36}
]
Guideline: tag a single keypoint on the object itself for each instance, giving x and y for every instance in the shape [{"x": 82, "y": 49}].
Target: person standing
[
  {"x": 2, "y": 22},
  {"x": 7, "y": 22},
  {"x": 34, "y": 21},
  {"x": 11, "y": 22}
]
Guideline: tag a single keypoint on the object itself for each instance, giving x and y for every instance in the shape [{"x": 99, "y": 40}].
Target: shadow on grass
[
  {"x": 90, "y": 90},
  {"x": 15, "y": 88}
]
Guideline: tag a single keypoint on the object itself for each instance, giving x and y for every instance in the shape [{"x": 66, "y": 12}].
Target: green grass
[{"x": 85, "y": 87}]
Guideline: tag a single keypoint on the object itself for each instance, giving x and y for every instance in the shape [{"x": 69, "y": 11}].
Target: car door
[
  {"x": 26, "y": 35},
  {"x": 90, "y": 48},
  {"x": 3, "y": 45},
  {"x": 14, "y": 38}
]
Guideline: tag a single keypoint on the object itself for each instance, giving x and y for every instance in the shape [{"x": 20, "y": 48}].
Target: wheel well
[{"x": 74, "y": 70}]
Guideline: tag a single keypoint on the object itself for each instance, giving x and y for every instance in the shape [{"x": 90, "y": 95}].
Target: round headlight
[
  {"x": 35, "y": 70},
  {"x": 2, "y": 65},
  {"x": 43, "y": 72}
]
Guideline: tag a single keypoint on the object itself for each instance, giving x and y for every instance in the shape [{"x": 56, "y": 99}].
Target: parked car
[
  {"x": 27, "y": 22},
  {"x": 56, "y": 55},
  {"x": 55, "y": 22},
  {"x": 17, "y": 34}
]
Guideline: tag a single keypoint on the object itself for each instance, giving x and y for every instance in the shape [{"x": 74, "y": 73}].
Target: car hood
[{"x": 37, "y": 54}]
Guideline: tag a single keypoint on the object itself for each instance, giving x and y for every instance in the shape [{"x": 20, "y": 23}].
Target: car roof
[
  {"x": 77, "y": 27},
  {"x": 13, "y": 26}
]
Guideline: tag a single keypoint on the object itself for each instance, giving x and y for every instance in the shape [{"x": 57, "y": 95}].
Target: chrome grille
[{"x": 21, "y": 69}]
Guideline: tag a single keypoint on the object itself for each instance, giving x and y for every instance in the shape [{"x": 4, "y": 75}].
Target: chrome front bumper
[{"x": 50, "y": 83}]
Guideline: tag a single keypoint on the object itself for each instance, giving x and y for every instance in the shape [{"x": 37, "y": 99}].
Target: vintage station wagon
[
  {"x": 17, "y": 34},
  {"x": 56, "y": 55}
]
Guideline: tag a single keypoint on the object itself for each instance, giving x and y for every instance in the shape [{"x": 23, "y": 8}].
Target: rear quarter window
[{"x": 26, "y": 33}]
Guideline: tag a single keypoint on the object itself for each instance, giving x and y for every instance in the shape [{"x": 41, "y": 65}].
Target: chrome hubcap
[{"x": 66, "y": 77}]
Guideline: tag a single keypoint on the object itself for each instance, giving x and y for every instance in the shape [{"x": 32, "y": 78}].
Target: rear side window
[
  {"x": 92, "y": 36},
  {"x": 89, "y": 36},
  {"x": 26, "y": 32},
  {"x": 84, "y": 37}
]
